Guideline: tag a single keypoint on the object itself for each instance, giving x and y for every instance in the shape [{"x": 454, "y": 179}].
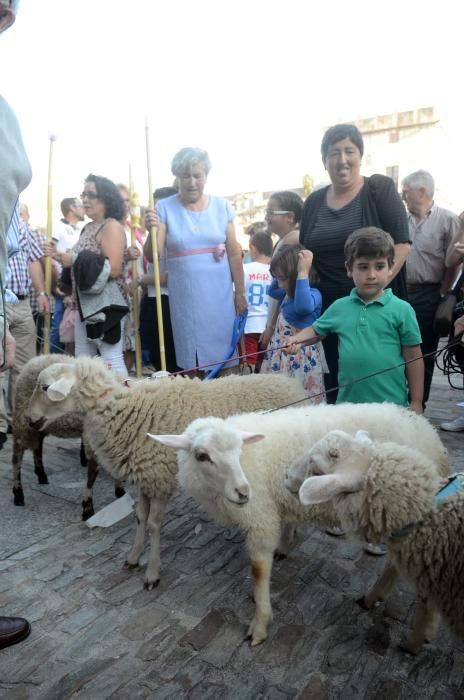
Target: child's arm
[
  {"x": 415, "y": 375},
  {"x": 297, "y": 340},
  {"x": 307, "y": 300},
  {"x": 275, "y": 292}
]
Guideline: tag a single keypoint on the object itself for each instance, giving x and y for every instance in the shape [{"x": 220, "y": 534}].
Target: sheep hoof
[
  {"x": 254, "y": 641},
  {"x": 409, "y": 648},
  {"x": 257, "y": 632},
  {"x": 43, "y": 478},
  {"x": 363, "y": 604},
  {"x": 119, "y": 492},
  {"x": 278, "y": 556},
  {"x": 150, "y": 585},
  {"x": 128, "y": 565},
  {"x": 257, "y": 642},
  {"x": 18, "y": 495},
  {"x": 87, "y": 509}
]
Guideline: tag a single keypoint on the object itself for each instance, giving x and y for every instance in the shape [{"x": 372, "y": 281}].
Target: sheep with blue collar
[
  {"x": 391, "y": 492},
  {"x": 242, "y": 483}
]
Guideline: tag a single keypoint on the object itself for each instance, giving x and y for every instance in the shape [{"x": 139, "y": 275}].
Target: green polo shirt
[{"x": 370, "y": 338}]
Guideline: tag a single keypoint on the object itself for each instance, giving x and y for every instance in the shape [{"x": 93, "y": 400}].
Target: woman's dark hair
[
  {"x": 109, "y": 194},
  {"x": 338, "y": 133},
  {"x": 289, "y": 201},
  {"x": 285, "y": 264},
  {"x": 371, "y": 243}
]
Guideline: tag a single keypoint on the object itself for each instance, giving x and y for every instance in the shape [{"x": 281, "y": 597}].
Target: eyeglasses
[
  {"x": 89, "y": 195},
  {"x": 276, "y": 212}
]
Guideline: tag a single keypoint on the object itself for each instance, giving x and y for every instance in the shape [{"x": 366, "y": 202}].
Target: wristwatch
[{"x": 42, "y": 294}]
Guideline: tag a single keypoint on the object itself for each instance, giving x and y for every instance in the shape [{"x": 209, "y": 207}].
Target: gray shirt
[
  {"x": 432, "y": 237},
  {"x": 15, "y": 174}
]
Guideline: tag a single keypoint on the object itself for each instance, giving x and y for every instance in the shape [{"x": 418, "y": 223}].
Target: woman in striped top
[{"x": 330, "y": 214}]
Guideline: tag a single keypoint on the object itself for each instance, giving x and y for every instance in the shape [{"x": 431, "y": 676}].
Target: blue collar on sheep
[{"x": 454, "y": 484}]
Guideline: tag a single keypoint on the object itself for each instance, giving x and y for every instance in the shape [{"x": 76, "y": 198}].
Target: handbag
[
  {"x": 444, "y": 315},
  {"x": 443, "y": 322},
  {"x": 66, "y": 329}
]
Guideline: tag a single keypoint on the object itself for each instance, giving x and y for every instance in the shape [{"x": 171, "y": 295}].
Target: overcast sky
[{"x": 252, "y": 81}]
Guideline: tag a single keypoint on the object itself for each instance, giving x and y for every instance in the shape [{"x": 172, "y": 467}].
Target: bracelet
[{"x": 42, "y": 294}]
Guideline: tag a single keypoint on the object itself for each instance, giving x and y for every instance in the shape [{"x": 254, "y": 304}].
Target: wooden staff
[
  {"x": 154, "y": 243},
  {"x": 135, "y": 224},
  {"x": 48, "y": 260}
]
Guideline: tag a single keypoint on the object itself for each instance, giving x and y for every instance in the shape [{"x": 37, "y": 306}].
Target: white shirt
[
  {"x": 257, "y": 280},
  {"x": 66, "y": 235}
]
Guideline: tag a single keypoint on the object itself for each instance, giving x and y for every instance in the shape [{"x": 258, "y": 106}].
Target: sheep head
[
  {"x": 303, "y": 467},
  {"x": 376, "y": 489},
  {"x": 209, "y": 460},
  {"x": 64, "y": 388},
  {"x": 338, "y": 464}
]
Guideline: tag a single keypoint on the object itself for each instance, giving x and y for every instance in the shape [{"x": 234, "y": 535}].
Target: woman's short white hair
[
  {"x": 186, "y": 158},
  {"x": 418, "y": 180},
  {"x": 11, "y": 4}
]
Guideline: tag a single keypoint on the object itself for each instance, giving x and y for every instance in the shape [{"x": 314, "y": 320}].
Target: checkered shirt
[{"x": 18, "y": 264}]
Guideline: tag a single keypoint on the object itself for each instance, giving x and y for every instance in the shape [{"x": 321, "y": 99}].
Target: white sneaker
[
  {"x": 378, "y": 550},
  {"x": 335, "y": 531},
  {"x": 454, "y": 426}
]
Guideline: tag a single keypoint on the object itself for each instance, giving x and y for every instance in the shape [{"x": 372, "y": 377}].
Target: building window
[{"x": 393, "y": 172}]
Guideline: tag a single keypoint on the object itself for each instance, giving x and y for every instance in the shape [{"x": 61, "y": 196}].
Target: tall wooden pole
[
  {"x": 154, "y": 243},
  {"x": 135, "y": 224},
  {"x": 48, "y": 260}
]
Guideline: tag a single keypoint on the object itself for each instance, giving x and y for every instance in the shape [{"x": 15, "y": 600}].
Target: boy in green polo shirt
[{"x": 375, "y": 329}]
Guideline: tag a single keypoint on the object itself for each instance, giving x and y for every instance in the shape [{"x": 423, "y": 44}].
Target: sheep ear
[
  {"x": 178, "y": 442},
  {"x": 248, "y": 438},
  {"x": 60, "y": 389},
  {"x": 320, "y": 489},
  {"x": 363, "y": 436}
]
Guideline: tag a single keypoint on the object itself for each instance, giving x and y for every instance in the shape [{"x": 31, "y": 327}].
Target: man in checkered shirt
[{"x": 25, "y": 270}]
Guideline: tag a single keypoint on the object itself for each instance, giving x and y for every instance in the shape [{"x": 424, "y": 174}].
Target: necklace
[{"x": 195, "y": 217}]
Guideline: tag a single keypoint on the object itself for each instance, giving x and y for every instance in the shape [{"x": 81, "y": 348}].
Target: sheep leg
[
  {"x": 18, "y": 493},
  {"x": 425, "y": 624},
  {"x": 142, "y": 510},
  {"x": 119, "y": 490},
  {"x": 261, "y": 566},
  {"x": 287, "y": 536},
  {"x": 83, "y": 455},
  {"x": 155, "y": 518},
  {"x": 39, "y": 470},
  {"x": 382, "y": 587},
  {"x": 87, "y": 503}
]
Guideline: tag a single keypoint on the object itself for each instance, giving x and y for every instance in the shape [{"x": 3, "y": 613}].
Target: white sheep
[
  {"x": 117, "y": 420},
  {"x": 27, "y": 437},
  {"x": 247, "y": 488},
  {"x": 387, "y": 492}
]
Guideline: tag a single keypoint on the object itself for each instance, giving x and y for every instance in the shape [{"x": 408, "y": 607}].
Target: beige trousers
[{"x": 22, "y": 328}]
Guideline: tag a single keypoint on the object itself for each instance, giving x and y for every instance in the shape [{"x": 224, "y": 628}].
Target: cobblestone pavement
[{"x": 97, "y": 634}]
